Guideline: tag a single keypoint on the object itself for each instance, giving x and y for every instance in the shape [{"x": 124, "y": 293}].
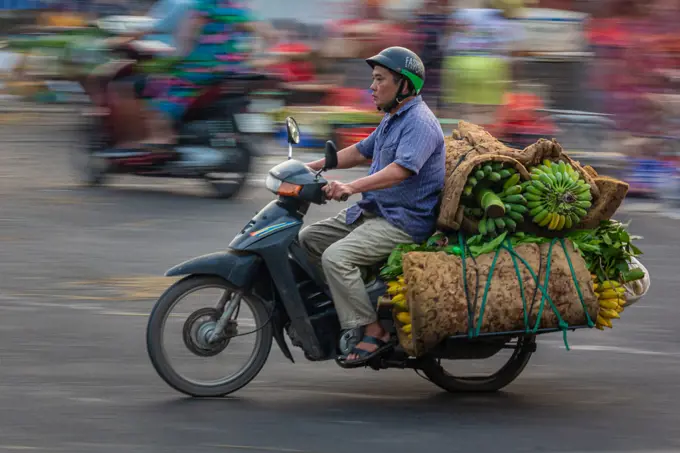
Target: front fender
[{"x": 237, "y": 268}]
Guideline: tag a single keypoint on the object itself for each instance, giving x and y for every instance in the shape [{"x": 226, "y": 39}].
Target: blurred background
[
  {"x": 81, "y": 266},
  {"x": 601, "y": 77}
]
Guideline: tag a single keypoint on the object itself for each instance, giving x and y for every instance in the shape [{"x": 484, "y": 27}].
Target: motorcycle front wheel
[{"x": 196, "y": 330}]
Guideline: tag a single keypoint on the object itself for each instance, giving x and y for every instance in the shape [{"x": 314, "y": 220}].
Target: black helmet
[{"x": 404, "y": 62}]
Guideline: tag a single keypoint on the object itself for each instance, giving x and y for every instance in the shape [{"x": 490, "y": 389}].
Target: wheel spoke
[{"x": 196, "y": 369}]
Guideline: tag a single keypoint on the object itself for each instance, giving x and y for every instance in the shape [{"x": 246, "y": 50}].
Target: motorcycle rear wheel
[
  {"x": 160, "y": 361},
  {"x": 484, "y": 384}
]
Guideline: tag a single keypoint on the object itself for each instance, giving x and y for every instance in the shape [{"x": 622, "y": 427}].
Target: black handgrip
[{"x": 345, "y": 197}]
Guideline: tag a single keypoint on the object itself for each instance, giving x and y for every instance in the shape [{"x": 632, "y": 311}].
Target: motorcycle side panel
[
  {"x": 238, "y": 269},
  {"x": 270, "y": 234},
  {"x": 272, "y": 219}
]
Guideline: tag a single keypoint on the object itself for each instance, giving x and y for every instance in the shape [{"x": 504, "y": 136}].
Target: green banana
[
  {"x": 513, "y": 180},
  {"x": 518, "y": 208},
  {"x": 510, "y": 223},
  {"x": 500, "y": 223},
  {"x": 481, "y": 226},
  {"x": 487, "y": 169},
  {"x": 505, "y": 174},
  {"x": 467, "y": 191},
  {"x": 580, "y": 211},
  {"x": 515, "y": 199},
  {"x": 490, "y": 226},
  {"x": 535, "y": 211},
  {"x": 472, "y": 181},
  {"x": 512, "y": 190},
  {"x": 479, "y": 174},
  {"x": 516, "y": 216},
  {"x": 495, "y": 177},
  {"x": 538, "y": 218}
]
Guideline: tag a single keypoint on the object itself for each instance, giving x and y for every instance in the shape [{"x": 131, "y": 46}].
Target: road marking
[
  {"x": 253, "y": 447},
  {"x": 603, "y": 348},
  {"x": 18, "y": 447}
]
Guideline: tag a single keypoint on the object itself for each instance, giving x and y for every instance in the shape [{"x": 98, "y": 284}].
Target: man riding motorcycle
[
  {"x": 399, "y": 196},
  {"x": 214, "y": 41}
]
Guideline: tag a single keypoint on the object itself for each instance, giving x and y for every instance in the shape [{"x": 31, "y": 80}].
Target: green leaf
[
  {"x": 635, "y": 250},
  {"x": 489, "y": 246}
]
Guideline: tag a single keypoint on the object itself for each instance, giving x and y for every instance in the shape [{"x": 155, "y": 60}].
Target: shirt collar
[{"x": 405, "y": 107}]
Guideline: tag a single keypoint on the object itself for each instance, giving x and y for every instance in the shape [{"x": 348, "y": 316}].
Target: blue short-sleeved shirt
[{"x": 412, "y": 138}]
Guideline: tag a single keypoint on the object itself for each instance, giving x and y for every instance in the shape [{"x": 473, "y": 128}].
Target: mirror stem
[{"x": 290, "y": 151}]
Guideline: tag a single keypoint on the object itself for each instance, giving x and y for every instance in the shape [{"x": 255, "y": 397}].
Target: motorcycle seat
[{"x": 239, "y": 84}]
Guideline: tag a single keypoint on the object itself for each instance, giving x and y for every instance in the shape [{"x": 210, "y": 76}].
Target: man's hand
[{"x": 335, "y": 190}]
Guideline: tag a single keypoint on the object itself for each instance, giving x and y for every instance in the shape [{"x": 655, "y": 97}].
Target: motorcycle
[
  {"x": 266, "y": 269},
  {"x": 214, "y": 143}
]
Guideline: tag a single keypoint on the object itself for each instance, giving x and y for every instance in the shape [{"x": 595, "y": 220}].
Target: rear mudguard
[{"x": 237, "y": 268}]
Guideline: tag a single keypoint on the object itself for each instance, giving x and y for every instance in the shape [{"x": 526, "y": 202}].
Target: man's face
[{"x": 384, "y": 87}]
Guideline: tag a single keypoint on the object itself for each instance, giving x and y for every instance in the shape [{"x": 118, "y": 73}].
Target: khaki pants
[{"x": 340, "y": 250}]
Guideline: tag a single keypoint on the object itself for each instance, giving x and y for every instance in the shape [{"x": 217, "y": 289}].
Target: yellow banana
[
  {"x": 610, "y": 284},
  {"x": 604, "y": 322},
  {"x": 406, "y": 328},
  {"x": 401, "y": 305},
  {"x": 612, "y": 293},
  {"x": 398, "y": 298},
  {"x": 404, "y": 317},
  {"x": 401, "y": 280},
  {"x": 394, "y": 290},
  {"x": 554, "y": 221},
  {"x": 608, "y": 314},
  {"x": 609, "y": 304},
  {"x": 619, "y": 309},
  {"x": 595, "y": 286},
  {"x": 560, "y": 224},
  {"x": 547, "y": 220},
  {"x": 599, "y": 326},
  {"x": 614, "y": 301}
]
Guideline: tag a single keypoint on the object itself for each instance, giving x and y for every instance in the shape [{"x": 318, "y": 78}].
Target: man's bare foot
[{"x": 374, "y": 330}]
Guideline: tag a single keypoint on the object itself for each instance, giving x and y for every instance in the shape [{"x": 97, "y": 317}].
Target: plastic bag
[{"x": 635, "y": 290}]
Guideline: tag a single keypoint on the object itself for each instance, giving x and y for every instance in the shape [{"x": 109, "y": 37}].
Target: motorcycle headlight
[{"x": 282, "y": 188}]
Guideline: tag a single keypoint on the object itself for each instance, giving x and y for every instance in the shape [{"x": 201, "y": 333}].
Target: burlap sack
[
  {"x": 439, "y": 307},
  {"x": 469, "y": 146}
]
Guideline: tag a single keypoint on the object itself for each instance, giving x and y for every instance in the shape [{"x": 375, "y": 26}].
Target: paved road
[{"x": 74, "y": 376}]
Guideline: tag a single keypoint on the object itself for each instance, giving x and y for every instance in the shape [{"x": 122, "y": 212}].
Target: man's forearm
[
  {"x": 347, "y": 158},
  {"x": 389, "y": 176}
]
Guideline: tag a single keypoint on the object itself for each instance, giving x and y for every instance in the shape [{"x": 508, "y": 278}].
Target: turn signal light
[{"x": 289, "y": 190}]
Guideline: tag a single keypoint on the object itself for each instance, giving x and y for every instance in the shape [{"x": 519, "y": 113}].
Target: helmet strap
[{"x": 398, "y": 99}]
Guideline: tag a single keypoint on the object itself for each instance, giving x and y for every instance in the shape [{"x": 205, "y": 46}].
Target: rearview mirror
[
  {"x": 293, "y": 131},
  {"x": 331, "y": 155}
]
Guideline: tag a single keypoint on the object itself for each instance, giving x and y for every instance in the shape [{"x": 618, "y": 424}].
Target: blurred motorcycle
[{"x": 214, "y": 144}]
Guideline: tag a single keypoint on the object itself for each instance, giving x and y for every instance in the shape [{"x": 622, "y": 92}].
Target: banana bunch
[
  {"x": 397, "y": 289},
  {"x": 515, "y": 206},
  {"x": 611, "y": 296},
  {"x": 557, "y": 196},
  {"x": 490, "y": 172}
]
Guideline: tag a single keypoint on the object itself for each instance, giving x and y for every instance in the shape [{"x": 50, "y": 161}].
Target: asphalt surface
[{"x": 80, "y": 271}]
